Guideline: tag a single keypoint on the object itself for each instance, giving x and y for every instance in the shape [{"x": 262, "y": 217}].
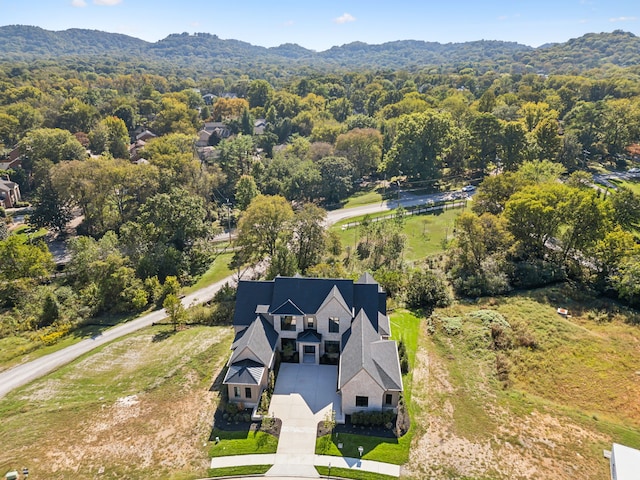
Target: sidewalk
[{"x": 302, "y": 465}]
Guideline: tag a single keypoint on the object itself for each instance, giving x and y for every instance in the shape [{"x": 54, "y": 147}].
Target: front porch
[{"x": 308, "y": 346}]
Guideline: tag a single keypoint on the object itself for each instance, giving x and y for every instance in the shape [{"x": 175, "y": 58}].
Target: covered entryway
[{"x": 309, "y": 343}]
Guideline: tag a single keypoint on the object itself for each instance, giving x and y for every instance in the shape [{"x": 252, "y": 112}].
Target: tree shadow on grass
[{"x": 163, "y": 335}]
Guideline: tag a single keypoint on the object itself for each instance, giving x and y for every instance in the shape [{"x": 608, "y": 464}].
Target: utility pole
[{"x": 228, "y": 204}]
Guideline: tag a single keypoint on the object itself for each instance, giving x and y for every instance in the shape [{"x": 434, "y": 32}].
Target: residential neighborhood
[{"x": 414, "y": 259}]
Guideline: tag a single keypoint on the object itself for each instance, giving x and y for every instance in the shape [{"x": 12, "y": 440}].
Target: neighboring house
[
  {"x": 323, "y": 320},
  {"x": 259, "y": 126},
  {"x": 625, "y": 463},
  {"x": 9, "y": 193},
  {"x": 134, "y": 150},
  {"x": 142, "y": 133},
  {"x": 12, "y": 160},
  {"x": 212, "y": 133}
]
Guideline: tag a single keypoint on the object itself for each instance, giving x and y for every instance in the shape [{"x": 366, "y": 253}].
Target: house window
[
  {"x": 311, "y": 322},
  {"x": 388, "y": 399},
  {"x": 309, "y": 350},
  {"x": 247, "y": 392},
  {"x": 288, "y": 323},
  {"x": 331, "y": 347},
  {"x": 334, "y": 325},
  {"x": 362, "y": 401},
  {"x": 236, "y": 392}
]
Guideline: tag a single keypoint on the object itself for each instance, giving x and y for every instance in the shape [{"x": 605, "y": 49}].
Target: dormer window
[{"x": 311, "y": 323}]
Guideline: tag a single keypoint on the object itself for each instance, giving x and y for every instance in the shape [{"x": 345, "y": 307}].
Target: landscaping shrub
[{"x": 374, "y": 419}]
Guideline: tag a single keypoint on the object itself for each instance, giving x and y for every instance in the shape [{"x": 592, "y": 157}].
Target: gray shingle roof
[
  {"x": 363, "y": 350},
  {"x": 288, "y": 308},
  {"x": 260, "y": 338},
  {"x": 310, "y": 336},
  {"x": 244, "y": 372},
  {"x": 307, "y": 294},
  {"x": 384, "y": 326}
]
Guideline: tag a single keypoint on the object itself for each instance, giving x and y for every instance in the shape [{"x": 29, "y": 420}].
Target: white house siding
[
  {"x": 361, "y": 385},
  {"x": 256, "y": 390},
  {"x": 332, "y": 309}
]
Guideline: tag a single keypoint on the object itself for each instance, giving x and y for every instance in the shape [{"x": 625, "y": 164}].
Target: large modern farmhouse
[{"x": 321, "y": 320}]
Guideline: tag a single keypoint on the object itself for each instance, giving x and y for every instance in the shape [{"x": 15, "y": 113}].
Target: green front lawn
[
  {"x": 364, "y": 197},
  {"x": 239, "y": 471},
  {"x": 355, "y": 474},
  {"x": 242, "y": 443}
]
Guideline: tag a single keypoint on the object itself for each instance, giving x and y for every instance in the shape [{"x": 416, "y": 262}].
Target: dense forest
[
  {"x": 151, "y": 159},
  {"x": 207, "y": 53}
]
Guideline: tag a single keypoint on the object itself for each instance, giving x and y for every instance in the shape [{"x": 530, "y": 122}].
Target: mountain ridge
[{"x": 23, "y": 42}]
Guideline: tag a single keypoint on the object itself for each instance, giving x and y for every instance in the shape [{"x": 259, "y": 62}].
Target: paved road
[{"x": 27, "y": 372}]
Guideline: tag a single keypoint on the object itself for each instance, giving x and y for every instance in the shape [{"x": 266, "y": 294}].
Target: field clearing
[
  {"x": 633, "y": 185},
  {"x": 426, "y": 233},
  {"x": 140, "y": 407},
  {"x": 563, "y": 403}
]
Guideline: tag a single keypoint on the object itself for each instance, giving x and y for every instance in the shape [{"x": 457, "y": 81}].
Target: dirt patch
[{"x": 530, "y": 446}]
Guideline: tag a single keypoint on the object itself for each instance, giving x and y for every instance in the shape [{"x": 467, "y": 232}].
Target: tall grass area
[
  {"x": 406, "y": 327},
  {"x": 572, "y": 381},
  {"x": 140, "y": 407},
  {"x": 426, "y": 234}
]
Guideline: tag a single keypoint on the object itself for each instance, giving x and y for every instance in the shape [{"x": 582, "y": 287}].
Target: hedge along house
[{"x": 324, "y": 321}]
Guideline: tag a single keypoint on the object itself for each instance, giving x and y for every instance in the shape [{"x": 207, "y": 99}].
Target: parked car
[
  {"x": 634, "y": 170},
  {"x": 468, "y": 188}
]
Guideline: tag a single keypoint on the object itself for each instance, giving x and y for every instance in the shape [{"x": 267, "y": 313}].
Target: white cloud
[
  {"x": 503, "y": 17},
  {"x": 345, "y": 18},
  {"x": 288, "y": 23},
  {"x": 108, "y": 3},
  {"x": 623, "y": 19},
  {"x": 78, "y": 3}
]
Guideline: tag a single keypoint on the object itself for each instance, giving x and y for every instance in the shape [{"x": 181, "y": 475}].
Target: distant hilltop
[{"x": 207, "y": 51}]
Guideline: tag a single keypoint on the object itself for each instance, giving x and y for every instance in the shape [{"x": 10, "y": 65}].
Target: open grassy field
[
  {"x": 140, "y": 407},
  {"x": 559, "y": 405},
  {"x": 425, "y": 233}
]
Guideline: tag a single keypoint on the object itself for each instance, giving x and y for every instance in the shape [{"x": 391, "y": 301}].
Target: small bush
[{"x": 503, "y": 367}]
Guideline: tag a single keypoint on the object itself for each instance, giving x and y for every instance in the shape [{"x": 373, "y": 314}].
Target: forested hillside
[{"x": 207, "y": 52}]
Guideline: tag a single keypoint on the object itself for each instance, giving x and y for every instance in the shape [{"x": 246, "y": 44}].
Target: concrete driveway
[{"x": 304, "y": 395}]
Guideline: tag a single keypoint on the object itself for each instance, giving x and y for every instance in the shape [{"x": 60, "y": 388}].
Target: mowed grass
[
  {"x": 364, "y": 197},
  {"x": 139, "y": 407},
  {"x": 351, "y": 473},
  {"x": 239, "y": 471},
  {"x": 633, "y": 185},
  {"x": 242, "y": 443},
  {"x": 406, "y": 327},
  {"x": 426, "y": 234},
  {"x": 564, "y": 401},
  {"x": 218, "y": 270}
]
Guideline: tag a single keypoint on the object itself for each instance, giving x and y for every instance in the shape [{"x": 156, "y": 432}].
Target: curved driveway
[{"x": 27, "y": 372}]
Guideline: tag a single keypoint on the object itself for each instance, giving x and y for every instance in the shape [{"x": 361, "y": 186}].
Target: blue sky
[{"x": 320, "y": 24}]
